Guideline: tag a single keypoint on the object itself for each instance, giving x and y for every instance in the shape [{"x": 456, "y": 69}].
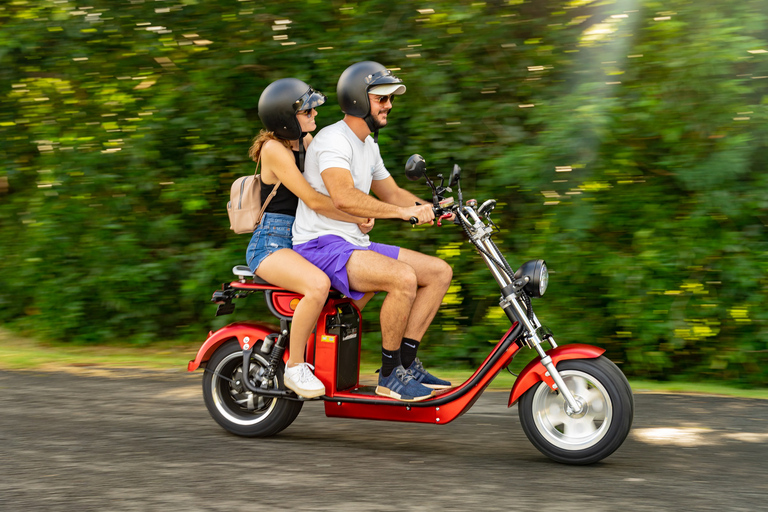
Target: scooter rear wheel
[
  {"x": 234, "y": 407},
  {"x": 586, "y": 436}
]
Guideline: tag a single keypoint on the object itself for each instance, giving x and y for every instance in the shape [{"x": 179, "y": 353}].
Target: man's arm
[
  {"x": 390, "y": 192},
  {"x": 347, "y": 198},
  {"x": 281, "y": 163}
]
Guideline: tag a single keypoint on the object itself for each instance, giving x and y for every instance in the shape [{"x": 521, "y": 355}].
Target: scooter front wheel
[
  {"x": 234, "y": 407},
  {"x": 590, "y": 434}
]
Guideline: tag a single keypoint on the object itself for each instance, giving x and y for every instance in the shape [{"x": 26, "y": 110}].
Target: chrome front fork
[
  {"x": 481, "y": 237},
  {"x": 535, "y": 342}
]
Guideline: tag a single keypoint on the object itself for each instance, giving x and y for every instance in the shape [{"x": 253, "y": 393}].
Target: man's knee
[
  {"x": 439, "y": 270},
  {"x": 444, "y": 271},
  {"x": 404, "y": 281}
]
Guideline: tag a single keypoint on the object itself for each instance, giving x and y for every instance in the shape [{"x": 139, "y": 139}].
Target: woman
[{"x": 287, "y": 110}]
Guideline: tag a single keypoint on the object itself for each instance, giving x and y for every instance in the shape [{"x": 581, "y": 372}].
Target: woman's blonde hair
[{"x": 260, "y": 140}]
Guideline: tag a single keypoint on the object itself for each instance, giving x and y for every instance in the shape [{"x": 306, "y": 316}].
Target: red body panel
[
  {"x": 239, "y": 330},
  {"x": 325, "y": 351},
  {"x": 282, "y": 302},
  {"x": 323, "y": 348},
  {"x": 535, "y": 371},
  {"x": 466, "y": 395},
  {"x": 254, "y": 286}
]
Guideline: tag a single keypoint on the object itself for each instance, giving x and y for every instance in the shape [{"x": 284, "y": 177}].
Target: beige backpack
[{"x": 244, "y": 207}]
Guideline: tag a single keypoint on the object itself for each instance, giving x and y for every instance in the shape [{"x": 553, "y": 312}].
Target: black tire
[
  {"x": 593, "y": 434},
  {"x": 235, "y": 408}
]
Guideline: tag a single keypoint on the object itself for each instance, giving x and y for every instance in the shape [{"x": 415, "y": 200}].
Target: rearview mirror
[
  {"x": 415, "y": 167},
  {"x": 455, "y": 176}
]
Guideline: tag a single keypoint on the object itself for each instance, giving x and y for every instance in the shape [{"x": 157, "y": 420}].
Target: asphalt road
[{"x": 131, "y": 441}]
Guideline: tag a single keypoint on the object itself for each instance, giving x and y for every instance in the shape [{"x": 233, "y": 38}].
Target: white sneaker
[{"x": 303, "y": 382}]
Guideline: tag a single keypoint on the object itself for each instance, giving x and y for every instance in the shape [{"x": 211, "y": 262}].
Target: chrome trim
[
  {"x": 501, "y": 277},
  {"x": 534, "y": 339}
]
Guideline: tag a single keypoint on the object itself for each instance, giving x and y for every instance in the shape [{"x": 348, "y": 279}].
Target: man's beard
[{"x": 376, "y": 123}]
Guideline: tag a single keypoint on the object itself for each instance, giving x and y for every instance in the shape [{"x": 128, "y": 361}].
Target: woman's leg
[
  {"x": 287, "y": 269},
  {"x": 360, "y": 303}
]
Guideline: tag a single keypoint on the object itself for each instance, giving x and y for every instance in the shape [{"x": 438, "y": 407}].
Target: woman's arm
[
  {"x": 279, "y": 163},
  {"x": 324, "y": 205}
]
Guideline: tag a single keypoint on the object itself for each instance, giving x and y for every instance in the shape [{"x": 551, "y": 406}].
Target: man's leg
[
  {"x": 369, "y": 271},
  {"x": 433, "y": 277}
]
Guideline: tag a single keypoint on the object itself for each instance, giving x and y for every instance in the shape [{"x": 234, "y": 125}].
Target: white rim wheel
[{"x": 563, "y": 428}]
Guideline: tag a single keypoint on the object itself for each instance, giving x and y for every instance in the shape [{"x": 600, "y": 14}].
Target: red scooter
[{"x": 574, "y": 404}]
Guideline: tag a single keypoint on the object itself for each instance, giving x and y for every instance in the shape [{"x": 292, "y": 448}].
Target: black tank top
[{"x": 285, "y": 201}]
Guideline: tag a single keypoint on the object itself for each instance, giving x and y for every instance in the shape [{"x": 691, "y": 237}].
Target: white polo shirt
[{"x": 337, "y": 146}]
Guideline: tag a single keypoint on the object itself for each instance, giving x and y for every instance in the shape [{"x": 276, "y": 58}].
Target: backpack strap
[{"x": 269, "y": 197}]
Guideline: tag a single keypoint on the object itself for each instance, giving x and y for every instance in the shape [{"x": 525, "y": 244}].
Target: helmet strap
[
  {"x": 301, "y": 151},
  {"x": 372, "y": 126},
  {"x": 370, "y": 122}
]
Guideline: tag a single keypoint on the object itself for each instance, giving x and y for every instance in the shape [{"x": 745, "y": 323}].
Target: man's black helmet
[
  {"x": 279, "y": 103},
  {"x": 355, "y": 82}
]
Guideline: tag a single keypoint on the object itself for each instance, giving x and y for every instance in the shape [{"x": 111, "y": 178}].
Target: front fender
[
  {"x": 535, "y": 371},
  {"x": 239, "y": 330}
]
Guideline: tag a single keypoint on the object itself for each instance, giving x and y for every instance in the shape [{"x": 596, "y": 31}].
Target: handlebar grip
[{"x": 413, "y": 221}]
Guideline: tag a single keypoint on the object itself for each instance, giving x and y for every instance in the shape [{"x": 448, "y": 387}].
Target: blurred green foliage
[{"x": 626, "y": 141}]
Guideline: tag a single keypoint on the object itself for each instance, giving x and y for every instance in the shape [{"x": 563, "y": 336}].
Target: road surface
[{"x": 127, "y": 440}]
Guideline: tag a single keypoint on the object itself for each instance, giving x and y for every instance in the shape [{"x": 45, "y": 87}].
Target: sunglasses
[
  {"x": 384, "y": 99},
  {"x": 307, "y": 113}
]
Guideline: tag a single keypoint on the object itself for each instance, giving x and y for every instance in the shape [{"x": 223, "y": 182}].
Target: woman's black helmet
[
  {"x": 279, "y": 103},
  {"x": 354, "y": 84}
]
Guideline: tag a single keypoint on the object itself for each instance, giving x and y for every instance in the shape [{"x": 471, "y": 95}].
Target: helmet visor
[
  {"x": 384, "y": 76},
  {"x": 311, "y": 99}
]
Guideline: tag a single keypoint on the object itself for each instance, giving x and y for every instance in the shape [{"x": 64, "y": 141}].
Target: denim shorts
[{"x": 271, "y": 235}]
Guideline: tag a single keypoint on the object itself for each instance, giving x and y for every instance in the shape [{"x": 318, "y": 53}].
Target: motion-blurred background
[{"x": 626, "y": 141}]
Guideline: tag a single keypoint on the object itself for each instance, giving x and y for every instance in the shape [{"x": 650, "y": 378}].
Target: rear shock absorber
[{"x": 277, "y": 354}]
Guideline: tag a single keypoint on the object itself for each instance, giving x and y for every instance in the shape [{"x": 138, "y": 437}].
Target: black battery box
[{"x": 346, "y": 325}]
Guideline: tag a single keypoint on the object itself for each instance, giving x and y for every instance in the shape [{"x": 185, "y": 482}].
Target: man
[{"x": 344, "y": 162}]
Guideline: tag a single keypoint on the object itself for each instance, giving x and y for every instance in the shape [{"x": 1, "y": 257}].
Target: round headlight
[
  {"x": 543, "y": 279},
  {"x": 538, "y": 277}
]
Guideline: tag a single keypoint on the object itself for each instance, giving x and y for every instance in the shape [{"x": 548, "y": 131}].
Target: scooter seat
[{"x": 243, "y": 273}]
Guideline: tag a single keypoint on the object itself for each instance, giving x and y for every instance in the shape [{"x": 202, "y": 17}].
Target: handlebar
[{"x": 441, "y": 212}]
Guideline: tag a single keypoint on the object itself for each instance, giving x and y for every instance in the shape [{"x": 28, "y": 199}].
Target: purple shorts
[{"x": 330, "y": 253}]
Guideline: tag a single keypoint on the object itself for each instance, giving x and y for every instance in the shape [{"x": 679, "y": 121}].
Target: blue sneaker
[
  {"x": 425, "y": 378},
  {"x": 401, "y": 385}
]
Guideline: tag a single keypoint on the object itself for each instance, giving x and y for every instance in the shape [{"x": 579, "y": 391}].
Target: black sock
[
  {"x": 408, "y": 350},
  {"x": 390, "y": 359}
]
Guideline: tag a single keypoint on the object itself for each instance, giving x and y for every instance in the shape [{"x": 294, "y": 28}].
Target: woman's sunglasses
[{"x": 307, "y": 113}]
